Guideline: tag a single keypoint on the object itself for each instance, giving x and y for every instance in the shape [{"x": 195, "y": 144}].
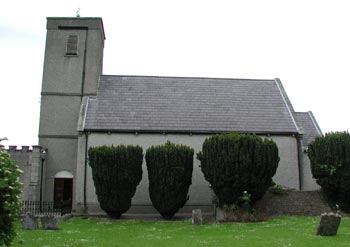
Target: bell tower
[{"x": 72, "y": 66}]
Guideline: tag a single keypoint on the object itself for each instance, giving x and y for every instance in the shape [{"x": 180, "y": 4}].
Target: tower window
[{"x": 72, "y": 45}]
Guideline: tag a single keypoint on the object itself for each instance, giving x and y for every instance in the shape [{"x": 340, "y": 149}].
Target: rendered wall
[
  {"x": 61, "y": 155},
  {"x": 200, "y": 194},
  {"x": 309, "y": 183},
  {"x": 66, "y": 80},
  {"x": 287, "y": 174}
]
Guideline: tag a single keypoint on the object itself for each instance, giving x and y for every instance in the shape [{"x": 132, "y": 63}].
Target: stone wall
[
  {"x": 292, "y": 202},
  {"x": 29, "y": 161}
]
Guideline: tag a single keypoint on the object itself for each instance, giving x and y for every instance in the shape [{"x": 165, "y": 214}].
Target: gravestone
[
  {"x": 220, "y": 214},
  {"x": 49, "y": 223},
  {"x": 329, "y": 224},
  {"x": 29, "y": 222},
  {"x": 197, "y": 217}
]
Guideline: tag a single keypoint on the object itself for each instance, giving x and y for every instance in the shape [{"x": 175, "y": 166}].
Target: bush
[
  {"x": 330, "y": 165},
  {"x": 116, "y": 172},
  {"x": 235, "y": 164},
  {"x": 170, "y": 176},
  {"x": 9, "y": 198}
]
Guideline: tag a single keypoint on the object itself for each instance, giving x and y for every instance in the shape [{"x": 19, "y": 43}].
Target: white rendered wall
[
  {"x": 287, "y": 174},
  {"x": 309, "y": 183}
]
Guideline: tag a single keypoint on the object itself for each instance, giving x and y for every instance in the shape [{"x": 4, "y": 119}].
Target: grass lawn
[{"x": 277, "y": 232}]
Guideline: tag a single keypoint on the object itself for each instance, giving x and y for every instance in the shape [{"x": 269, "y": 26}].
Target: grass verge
[{"x": 277, "y": 232}]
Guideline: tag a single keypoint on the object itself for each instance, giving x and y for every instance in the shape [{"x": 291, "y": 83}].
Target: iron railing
[{"x": 46, "y": 208}]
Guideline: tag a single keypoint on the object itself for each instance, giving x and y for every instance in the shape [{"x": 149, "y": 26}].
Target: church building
[{"x": 82, "y": 108}]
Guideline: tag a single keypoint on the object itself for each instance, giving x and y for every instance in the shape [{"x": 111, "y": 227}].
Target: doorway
[{"x": 63, "y": 192}]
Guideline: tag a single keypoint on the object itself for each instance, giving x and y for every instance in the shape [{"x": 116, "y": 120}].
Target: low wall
[{"x": 303, "y": 203}]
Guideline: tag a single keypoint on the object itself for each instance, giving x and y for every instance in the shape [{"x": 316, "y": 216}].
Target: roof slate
[
  {"x": 196, "y": 105},
  {"x": 309, "y": 124}
]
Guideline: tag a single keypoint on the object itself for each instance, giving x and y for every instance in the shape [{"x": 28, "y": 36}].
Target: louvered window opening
[{"x": 72, "y": 45}]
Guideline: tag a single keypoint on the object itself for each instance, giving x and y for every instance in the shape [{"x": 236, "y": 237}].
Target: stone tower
[{"x": 72, "y": 66}]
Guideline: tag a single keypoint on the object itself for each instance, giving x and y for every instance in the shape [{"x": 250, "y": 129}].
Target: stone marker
[
  {"x": 49, "y": 223},
  {"x": 29, "y": 222},
  {"x": 197, "y": 217},
  {"x": 220, "y": 214},
  {"x": 329, "y": 224}
]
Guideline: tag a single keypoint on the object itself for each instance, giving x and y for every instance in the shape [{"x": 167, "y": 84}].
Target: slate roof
[
  {"x": 191, "y": 105},
  {"x": 309, "y": 125}
]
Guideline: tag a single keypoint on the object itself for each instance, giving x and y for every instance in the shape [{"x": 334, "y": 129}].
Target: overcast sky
[{"x": 305, "y": 43}]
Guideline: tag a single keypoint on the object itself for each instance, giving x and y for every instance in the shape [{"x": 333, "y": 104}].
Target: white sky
[{"x": 305, "y": 43}]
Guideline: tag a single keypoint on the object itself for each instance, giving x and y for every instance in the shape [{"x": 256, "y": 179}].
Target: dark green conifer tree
[
  {"x": 330, "y": 165},
  {"x": 169, "y": 169},
  {"x": 116, "y": 172},
  {"x": 233, "y": 163}
]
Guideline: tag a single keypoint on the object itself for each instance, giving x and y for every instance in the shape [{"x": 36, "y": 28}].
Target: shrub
[
  {"x": 116, "y": 172},
  {"x": 169, "y": 169},
  {"x": 235, "y": 164},
  {"x": 330, "y": 165},
  {"x": 278, "y": 190},
  {"x": 10, "y": 190}
]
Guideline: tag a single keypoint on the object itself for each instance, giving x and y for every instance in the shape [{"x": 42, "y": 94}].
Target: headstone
[
  {"x": 49, "y": 223},
  {"x": 29, "y": 222},
  {"x": 220, "y": 214},
  {"x": 329, "y": 224},
  {"x": 197, "y": 217}
]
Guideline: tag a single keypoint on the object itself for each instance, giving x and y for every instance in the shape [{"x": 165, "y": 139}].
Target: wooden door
[{"x": 63, "y": 190}]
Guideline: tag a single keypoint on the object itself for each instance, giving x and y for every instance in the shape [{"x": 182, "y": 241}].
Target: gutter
[
  {"x": 300, "y": 160},
  {"x": 85, "y": 171},
  {"x": 298, "y": 128},
  {"x": 190, "y": 132}
]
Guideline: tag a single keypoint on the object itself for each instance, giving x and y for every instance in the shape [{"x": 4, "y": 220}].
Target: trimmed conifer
[
  {"x": 330, "y": 165},
  {"x": 116, "y": 172},
  {"x": 169, "y": 169},
  {"x": 234, "y": 163}
]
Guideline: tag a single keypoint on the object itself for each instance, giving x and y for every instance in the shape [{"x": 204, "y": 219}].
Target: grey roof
[
  {"x": 192, "y": 105},
  {"x": 310, "y": 127}
]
